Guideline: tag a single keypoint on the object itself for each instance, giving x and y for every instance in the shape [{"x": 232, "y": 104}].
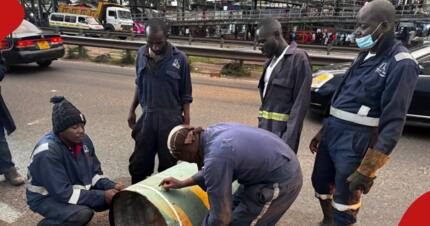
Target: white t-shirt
[{"x": 269, "y": 69}]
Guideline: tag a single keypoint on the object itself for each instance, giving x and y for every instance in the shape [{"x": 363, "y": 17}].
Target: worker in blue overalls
[
  {"x": 66, "y": 183},
  {"x": 163, "y": 89},
  {"x": 7, "y": 166},
  {"x": 266, "y": 168},
  {"x": 285, "y": 85},
  {"x": 367, "y": 115}
]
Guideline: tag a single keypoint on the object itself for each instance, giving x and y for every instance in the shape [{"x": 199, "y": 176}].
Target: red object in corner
[
  {"x": 418, "y": 213},
  {"x": 11, "y": 16}
]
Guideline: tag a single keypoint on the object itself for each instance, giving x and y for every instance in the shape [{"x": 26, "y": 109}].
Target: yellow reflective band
[
  {"x": 202, "y": 195},
  {"x": 273, "y": 116}
]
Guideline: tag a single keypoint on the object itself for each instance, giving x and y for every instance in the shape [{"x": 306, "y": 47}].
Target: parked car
[
  {"x": 30, "y": 44},
  {"x": 74, "y": 21},
  {"x": 327, "y": 79}
]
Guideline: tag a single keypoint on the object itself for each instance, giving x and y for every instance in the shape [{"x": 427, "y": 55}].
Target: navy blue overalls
[
  {"x": 61, "y": 183},
  {"x": 162, "y": 89},
  {"x": 368, "y": 110},
  {"x": 266, "y": 168}
]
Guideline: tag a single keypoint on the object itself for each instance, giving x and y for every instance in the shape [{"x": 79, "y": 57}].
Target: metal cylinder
[{"x": 145, "y": 203}]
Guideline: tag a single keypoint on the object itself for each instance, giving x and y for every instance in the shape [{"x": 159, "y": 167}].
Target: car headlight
[{"x": 321, "y": 79}]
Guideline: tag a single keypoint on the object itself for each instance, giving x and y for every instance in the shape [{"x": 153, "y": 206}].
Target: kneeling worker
[
  {"x": 266, "y": 168},
  {"x": 66, "y": 183}
]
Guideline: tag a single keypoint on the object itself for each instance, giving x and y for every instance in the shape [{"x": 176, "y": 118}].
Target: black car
[
  {"x": 327, "y": 79},
  {"x": 30, "y": 44}
]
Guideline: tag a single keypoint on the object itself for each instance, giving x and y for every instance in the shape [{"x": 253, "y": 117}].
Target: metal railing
[
  {"x": 215, "y": 52},
  {"x": 191, "y": 40}
]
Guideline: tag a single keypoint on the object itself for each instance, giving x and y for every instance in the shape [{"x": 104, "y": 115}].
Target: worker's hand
[
  {"x": 171, "y": 183},
  {"x": 109, "y": 194},
  {"x": 358, "y": 181},
  {"x": 119, "y": 186},
  {"x": 131, "y": 119},
  {"x": 315, "y": 142}
]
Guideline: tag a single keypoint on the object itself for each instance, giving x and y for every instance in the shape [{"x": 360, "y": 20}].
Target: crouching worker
[
  {"x": 66, "y": 183},
  {"x": 266, "y": 168}
]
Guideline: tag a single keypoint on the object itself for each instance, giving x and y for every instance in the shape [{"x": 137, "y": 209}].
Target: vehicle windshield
[
  {"x": 126, "y": 15},
  {"x": 92, "y": 21},
  {"x": 27, "y": 27}
]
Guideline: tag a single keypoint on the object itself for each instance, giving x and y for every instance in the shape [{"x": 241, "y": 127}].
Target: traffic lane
[{"x": 103, "y": 93}]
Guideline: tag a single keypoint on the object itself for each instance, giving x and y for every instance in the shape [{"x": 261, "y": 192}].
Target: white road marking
[
  {"x": 33, "y": 122},
  {"x": 53, "y": 90},
  {"x": 8, "y": 214},
  {"x": 37, "y": 121}
]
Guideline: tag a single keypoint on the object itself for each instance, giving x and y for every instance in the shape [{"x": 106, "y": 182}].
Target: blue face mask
[{"x": 367, "y": 41}]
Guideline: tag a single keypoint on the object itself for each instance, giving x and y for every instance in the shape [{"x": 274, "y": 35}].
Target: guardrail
[
  {"x": 189, "y": 39},
  {"x": 234, "y": 54}
]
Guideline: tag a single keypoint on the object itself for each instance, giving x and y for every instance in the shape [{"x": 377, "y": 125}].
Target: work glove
[
  {"x": 358, "y": 181},
  {"x": 363, "y": 177}
]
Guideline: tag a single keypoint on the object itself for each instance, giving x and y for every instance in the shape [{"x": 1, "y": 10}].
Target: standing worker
[
  {"x": 7, "y": 167},
  {"x": 285, "y": 85},
  {"x": 367, "y": 116},
  {"x": 163, "y": 89},
  {"x": 267, "y": 169}
]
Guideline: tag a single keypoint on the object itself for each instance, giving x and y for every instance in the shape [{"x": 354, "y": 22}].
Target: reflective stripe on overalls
[{"x": 273, "y": 116}]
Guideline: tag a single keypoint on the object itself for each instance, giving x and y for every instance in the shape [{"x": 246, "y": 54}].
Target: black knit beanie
[{"x": 64, "y": 114}]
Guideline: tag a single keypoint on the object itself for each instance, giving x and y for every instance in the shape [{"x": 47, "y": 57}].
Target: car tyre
[{"x": 44, "y": 64}]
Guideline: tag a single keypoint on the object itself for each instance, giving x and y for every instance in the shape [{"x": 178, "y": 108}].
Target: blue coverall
[
  {"x": 6, "y": 123},
  {"x": 62, "y": 183},
  {"x": 368, "y": 110},
  {"x": 163, "y": 89},
  {"x": 287, "y": 97},
  {"x": 267, "y": 170}
]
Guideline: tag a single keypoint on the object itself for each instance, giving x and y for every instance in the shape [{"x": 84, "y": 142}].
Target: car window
[
  {"x": 27, "y": 27},
  {"x": 82, "y": 20},
  {"x": 112, "y": 13},
  {"x": 56, "y": 17},
  {"x": 124, "y": 15},
  {"x": 70, "y": 19}
]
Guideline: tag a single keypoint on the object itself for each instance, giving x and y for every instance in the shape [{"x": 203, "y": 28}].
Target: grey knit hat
[{"x": 64, "y": 114}]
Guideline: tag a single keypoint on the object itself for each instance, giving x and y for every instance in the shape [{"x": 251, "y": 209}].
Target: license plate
[
  {"x": 43, "y": 44},
  {"x": 319, "y": 80}
]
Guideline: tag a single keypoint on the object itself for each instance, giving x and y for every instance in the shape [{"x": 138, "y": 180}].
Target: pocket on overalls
[{"x": 282, "y": 90}]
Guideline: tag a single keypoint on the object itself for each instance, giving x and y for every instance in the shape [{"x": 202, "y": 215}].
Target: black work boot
[
  {"x": 327, "y": 210},
  {"x": 14, "y": 177}
]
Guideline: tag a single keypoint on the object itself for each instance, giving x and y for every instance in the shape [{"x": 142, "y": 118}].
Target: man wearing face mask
[
  {"x": 367, "y": 115},
  {"x": 267, "y": 169},
  {"x": 163, "y": 89},
  {"x": 66, "y": 182},
  {"x": 284, "y": 85}
]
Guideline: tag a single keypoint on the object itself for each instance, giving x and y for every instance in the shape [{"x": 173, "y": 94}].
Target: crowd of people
[{"x": 366, "y": 117}]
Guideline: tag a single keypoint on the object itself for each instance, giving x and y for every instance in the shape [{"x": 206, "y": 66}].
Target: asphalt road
[{"x": 103, "y": 93}]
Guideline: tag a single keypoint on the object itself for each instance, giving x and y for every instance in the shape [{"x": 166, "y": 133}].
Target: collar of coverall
[
  {"x": 386, "y": 45},
  {"x": 291, "y": 49},
  {"x": 174, "y": 50}
]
